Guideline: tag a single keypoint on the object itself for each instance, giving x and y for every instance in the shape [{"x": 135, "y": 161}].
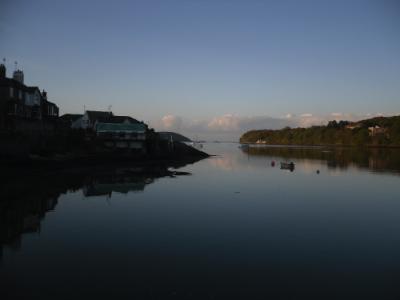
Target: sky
[{"x": 210, "y": 68}]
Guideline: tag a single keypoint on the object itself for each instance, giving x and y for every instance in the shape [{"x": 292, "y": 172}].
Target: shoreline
[
  {"x": 181, "y": 155},
  {"x": 323, "y": 145},
  {"x": 85, "y": 162}
]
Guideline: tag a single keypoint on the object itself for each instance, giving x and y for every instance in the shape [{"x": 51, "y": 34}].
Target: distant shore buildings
[
  {"x": 377, "y": 130},
  {"x": 22, "y": 107}
]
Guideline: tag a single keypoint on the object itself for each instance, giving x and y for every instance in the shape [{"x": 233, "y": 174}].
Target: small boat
[{"x": 287, "y": 166}]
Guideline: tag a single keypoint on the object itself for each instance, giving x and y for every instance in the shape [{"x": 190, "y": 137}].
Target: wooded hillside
[{"x": 378, "y": 131}]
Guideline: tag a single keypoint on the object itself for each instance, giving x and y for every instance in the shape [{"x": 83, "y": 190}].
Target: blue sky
[{"x": 195, "y": 62}]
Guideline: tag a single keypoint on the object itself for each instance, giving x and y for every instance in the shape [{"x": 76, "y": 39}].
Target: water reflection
[
  {"x": 24, "y": 216},
  {"x": 239, "y": 227},
  {"x": 30, "y": 196},
  {"x": 374, "y": 159},
  {"x": 119, "y": 181}
]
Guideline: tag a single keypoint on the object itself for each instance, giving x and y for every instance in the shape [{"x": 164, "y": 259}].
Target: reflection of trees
[
  {"x": 376, "y": 159},
  {"x": 29, "y": 196}
]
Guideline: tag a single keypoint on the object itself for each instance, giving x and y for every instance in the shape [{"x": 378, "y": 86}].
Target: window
[
  {"x": 37, "y": 102},
  {"x": 11, "y": 92},
  {"x": 20, "y": 94}
]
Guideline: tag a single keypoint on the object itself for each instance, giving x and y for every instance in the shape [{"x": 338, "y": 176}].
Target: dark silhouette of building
[{"x": 19, "y": 102}]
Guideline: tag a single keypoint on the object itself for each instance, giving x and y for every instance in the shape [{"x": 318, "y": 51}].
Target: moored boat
[{"x": 287, "y": 166}]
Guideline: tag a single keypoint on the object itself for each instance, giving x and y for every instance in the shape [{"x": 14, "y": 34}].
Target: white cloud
[
  {"x": 170, "y": 122},
  {"x": 310, "y": 120},
  {"x": 289, "y": 116},
  {"x": 226, "y": 122}
]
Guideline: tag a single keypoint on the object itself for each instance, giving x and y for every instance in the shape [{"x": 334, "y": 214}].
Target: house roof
[
  {"x": 32, "y": 89},
  {"x": 49, "y": 103},
  {"x": 121, "y": 119},
  {"x": 120, "y": 127},
  {"x": 5, "y": 81},
  {"x": 95, "y": 115},
  {"x": 70, "y": 117},
  {"x": 10, "y": 82}
]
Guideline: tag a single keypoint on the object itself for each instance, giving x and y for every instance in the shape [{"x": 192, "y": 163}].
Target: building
[
  {"x": 376, "y": 130},
  {"x": 67, "y": 120},
  {"x": 115, "y": 132},
  {"x": 123, "y": 135},
  {"x": 49, "y": 110},
  {"x": 21, "y": 102},
  {"x": 89, "y": 119}
]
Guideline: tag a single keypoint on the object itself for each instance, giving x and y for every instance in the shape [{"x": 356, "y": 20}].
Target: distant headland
[{"x": 374, "y": 132}]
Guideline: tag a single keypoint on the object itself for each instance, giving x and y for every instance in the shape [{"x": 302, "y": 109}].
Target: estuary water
[{"x": 233, "y": 226}]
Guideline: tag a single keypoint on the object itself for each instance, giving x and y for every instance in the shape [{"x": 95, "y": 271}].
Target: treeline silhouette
[{"x": 335, "y": 133}]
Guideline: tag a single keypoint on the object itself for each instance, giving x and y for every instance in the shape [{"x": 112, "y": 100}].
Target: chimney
[
  {"x": 44, "y": 94},
  {"x": 2, "y": 71},
  {"x": 18, "y": 76}
]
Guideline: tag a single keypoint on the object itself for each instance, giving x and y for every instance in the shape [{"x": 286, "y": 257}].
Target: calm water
[{"x": 235, "y": 227}]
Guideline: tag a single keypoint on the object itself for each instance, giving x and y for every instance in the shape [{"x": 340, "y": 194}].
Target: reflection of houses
[
  {"x": 119, "y": 181},
  {"x": 377, "y": 163},
  {"x": 20, "y": 104},
  {"x": 20, "y": 217},
  {"x": 373, "y": 131},
  {"x": 117, "y": 185},
  {"x": 102, "y": 189}
]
